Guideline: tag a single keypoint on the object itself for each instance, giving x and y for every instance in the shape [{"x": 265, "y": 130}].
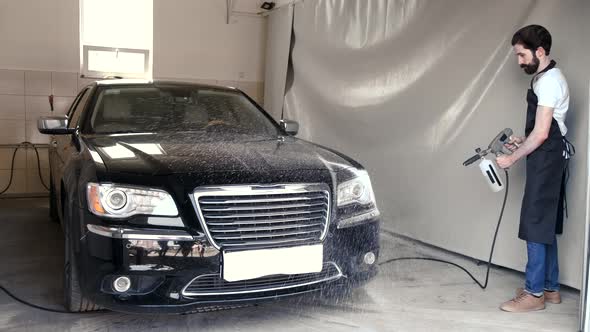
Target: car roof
[{"x": 140, "y": 82}]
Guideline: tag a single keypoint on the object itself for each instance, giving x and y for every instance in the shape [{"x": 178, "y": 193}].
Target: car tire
[
  {"x": 53, "y": 213},
  {"x": 74, "y": 300}
]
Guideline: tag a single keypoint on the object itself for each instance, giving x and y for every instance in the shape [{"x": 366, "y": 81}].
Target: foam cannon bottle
[{"x": 488, "y": 167}]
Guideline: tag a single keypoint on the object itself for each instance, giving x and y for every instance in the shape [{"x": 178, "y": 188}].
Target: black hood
[{"x": 200, "y": 152}]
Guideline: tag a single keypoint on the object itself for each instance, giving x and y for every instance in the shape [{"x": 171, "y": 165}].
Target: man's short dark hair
[{"x": 532, "y": 37}]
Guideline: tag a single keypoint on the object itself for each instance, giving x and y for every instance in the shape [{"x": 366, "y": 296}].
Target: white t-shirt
[{"x": 552, "y": 91}]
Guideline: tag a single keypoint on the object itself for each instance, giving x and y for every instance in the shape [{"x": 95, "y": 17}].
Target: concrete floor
[{"x": 406, "y": 296}]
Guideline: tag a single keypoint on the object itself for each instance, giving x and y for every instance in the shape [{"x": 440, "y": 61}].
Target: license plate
[{"x": 252, "y": 264}]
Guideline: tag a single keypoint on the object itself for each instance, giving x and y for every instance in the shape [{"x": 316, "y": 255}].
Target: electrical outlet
[{"x": 241, "y": 74}]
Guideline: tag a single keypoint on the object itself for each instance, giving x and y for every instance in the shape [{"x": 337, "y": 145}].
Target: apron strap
[
  {"x": 570, "y": 151},
  {"x": 549, "y": 67}
]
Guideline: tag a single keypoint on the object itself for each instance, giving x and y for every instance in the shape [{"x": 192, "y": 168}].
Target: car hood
[{"x": 199, "y": 152}]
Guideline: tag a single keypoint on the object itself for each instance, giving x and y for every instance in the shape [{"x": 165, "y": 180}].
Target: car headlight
[
  {"x": 356, "y": 201},
  {"x": 115, "y": 201},
  {"x": 358, "y": 190}
]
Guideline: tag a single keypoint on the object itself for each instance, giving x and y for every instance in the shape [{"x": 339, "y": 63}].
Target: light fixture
[{"x": 268, "y": 5}]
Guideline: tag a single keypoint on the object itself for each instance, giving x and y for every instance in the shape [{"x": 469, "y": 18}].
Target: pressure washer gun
[{"x": 487, "y": 167}]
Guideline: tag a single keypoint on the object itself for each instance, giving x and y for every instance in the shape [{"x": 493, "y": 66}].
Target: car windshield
[{"x": 177, "y": 108}]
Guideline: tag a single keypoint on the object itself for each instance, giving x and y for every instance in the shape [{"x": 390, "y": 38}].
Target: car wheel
[{"x": 74, "y": 300}]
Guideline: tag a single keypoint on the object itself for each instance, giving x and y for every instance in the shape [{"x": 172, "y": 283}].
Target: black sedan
[{"x": 177, "y": 197}]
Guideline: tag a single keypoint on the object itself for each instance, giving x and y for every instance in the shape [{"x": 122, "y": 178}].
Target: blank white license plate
[{"x": 252, "y": 264}]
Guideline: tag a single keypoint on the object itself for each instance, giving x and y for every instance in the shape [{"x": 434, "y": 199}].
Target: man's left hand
[{"x": 505, "y": 161}]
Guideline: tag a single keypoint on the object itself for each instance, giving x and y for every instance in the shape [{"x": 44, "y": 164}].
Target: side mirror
[
  {"x": 289, "y": 126},
  {"x": 54, "y": 125}
]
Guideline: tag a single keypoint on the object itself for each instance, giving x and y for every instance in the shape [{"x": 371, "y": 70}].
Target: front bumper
[{"x": 161, "y": 263}]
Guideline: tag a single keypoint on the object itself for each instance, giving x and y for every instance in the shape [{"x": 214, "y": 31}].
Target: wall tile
[
  {"x": 36, "y": 106},
  {"x": 32, "y": 157},
  {"x": 6, "y": 158},
  {"x": 12, "y": 107},
  {"x": 12, "y": 82},
  {"x": 62, "y": 104},
  {"x": 33, "y": 183},
  {"x": 33, "y": 135},
  {"x": 37, "y": 83},
  {"x": 18, "y": 181},
  {"x": 12, "y": 131},
  {"x": 64, "y": 84}
]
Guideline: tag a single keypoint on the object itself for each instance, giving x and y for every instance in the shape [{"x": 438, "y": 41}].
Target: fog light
[
  {"x": 369, "y": 258},
  {"x": 122, "y": 284}
]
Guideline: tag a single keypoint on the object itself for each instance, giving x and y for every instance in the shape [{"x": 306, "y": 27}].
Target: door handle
[{"x": 54, "y": 144}]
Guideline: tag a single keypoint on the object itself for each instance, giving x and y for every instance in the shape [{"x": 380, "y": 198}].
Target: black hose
[
  {"x": 20, "y": 145},
  {"x": 14, "y": 297},
  {"x": 39, "y": 168},
  {"x": 11, "y": 171},
  {"x": 485, "y": 284}
]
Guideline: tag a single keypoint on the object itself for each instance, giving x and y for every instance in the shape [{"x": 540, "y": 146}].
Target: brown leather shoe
[
  {"x": 551, "y": 297},
  {"x": 524, "y": 302}
]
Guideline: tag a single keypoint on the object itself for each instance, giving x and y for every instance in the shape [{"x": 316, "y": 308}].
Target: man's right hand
[
  {"x": 516, "y": 139},
  {"x": 514, "y": 142}
]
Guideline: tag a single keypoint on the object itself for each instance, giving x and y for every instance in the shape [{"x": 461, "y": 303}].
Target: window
[
  {"x": 174, "y": 108},
  {"x": 116, "y": 38}
]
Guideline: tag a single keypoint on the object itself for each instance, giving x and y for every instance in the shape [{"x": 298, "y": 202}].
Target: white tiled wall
[
  {"x": 24, "y": 96},
  {"x": 12, "y": 82}
]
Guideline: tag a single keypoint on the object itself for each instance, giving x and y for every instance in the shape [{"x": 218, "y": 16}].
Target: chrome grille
[
  {"x": 213, "y": 284},
  {"x": 245, "y": 216}
]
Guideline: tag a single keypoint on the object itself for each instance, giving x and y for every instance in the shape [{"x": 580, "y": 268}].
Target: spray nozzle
[{"x": 497, "y": 146}]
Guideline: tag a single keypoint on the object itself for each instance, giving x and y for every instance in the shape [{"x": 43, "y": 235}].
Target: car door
[
  {"x": 54, "y": 161},
  {"x": 64, "y": 144}
]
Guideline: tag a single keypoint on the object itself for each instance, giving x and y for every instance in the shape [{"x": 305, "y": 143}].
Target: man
[{"x": 546, "y": 150}]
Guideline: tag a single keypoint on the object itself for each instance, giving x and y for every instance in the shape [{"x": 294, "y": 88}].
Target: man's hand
[
  {"x": 511, "y": 147},
  {"x": 516, "y": 139},
  {"x": 514, "y": 142},
  {"x": 505, "y": 161}
]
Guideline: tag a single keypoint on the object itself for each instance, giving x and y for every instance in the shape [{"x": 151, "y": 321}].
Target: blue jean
[{"x": 542, "y": 269}]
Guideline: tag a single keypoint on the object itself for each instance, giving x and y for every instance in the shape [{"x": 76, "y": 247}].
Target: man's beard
[{"x": 532, "y": 67}]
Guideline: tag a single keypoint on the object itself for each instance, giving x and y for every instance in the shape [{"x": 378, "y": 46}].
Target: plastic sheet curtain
[
  {"x": 277, "y": 58},
  {"x": 410, "y": 87}
]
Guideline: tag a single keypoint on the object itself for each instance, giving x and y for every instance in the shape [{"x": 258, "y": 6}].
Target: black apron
[{"x": 541, "y": 216}]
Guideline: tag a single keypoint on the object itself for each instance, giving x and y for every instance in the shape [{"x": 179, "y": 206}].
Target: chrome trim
[
  {"x": 263, "y": 228},
  {"x": 284, "y": 241},
  {"x": 140, "y": 234},
  {"x": 331, "y": 278},
  {"x": 254, "y": 236},
  {"x": 266, "y": 214},
  {"x": 262, "y": 207},
  {"x": 54, "y": 125},
  {"x": 359, "y": 219},
  {"x": 252, "y": 190},
  {"x": 287, "y": 199},
  {"x": 215, "y": 223}
]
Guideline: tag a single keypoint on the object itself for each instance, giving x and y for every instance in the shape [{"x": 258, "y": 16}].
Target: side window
[{"x": 76, "y": 111}]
